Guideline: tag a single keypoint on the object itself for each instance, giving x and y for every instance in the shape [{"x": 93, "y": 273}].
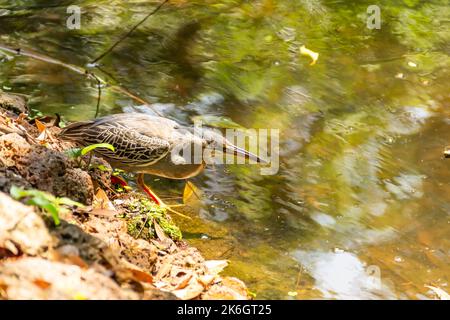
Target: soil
[{"x": 92, "y": 253}]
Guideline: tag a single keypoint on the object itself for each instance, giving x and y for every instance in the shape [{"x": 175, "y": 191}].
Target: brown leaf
[
  {"x": 8, "y": 244},
  {"x": 42, "y": 136},
  {"x": 193, "y": 290},
  {"x": 164, "y": 270},
  {"x": 206, "y": 280},
  {"x": 215, "y": 266},
  {"x": 165, "y": 240},
  {"x": 102, "y": 201},
  {"x": 103, "y": 213},
  {"x": 141, "y": 276},
  {"x": 184, "y": 281},
  {"x": 76, "y": 260},
  {"x": 228, "y": 289}
]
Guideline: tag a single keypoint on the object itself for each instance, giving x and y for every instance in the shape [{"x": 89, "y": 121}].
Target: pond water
[{"x": 360, "y": 205}]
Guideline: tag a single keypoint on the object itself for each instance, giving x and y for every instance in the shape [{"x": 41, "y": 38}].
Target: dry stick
[
  {"x": 77, "y": 69},
  {"x": 126, "y": 35},
  {"x": 99, "y": 86}
]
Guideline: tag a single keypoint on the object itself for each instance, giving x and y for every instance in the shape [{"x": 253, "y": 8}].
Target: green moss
[{"x": 142, "y": 217}]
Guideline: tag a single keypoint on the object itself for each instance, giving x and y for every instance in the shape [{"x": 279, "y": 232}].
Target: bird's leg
[
  {"x": 115, "y": 179},
  {"x": 140, "y": 181}
]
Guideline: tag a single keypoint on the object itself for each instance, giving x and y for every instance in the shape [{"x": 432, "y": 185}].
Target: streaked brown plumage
[{"x": 143, "y": 143}]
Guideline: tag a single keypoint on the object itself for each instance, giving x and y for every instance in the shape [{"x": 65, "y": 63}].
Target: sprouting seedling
[
  {"x": 77, "y": 153},
  {"x": 44, "y": 200}
]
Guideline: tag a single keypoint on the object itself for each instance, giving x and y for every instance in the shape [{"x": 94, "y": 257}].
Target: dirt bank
[{"x": 114, "y": 245}]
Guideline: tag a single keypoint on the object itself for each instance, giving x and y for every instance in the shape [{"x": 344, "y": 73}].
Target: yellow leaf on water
[
  {"x": 313, "y": 55},
  {"x": 190, "y": 190}
]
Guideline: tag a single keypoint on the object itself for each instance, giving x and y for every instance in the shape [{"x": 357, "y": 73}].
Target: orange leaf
[
  {"x": 42, "y": 283},
  {"x": 141, "y": 276},
  {"x": 39, "y": 125}
]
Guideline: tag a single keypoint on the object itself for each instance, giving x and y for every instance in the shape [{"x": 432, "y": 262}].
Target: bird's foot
[
  {"x": 117, "y": 180},
  {"x": 156, "y": 199}
]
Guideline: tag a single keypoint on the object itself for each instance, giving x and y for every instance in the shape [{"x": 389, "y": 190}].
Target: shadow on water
[{"x": 360, "y": 205}]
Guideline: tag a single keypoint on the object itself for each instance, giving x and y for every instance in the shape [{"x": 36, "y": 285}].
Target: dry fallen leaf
[
  {"x": 42, "y": 283},
  {"x": 442, "y": 295},
  {"x": 103, "y": 213},
  {"x": 42, "y": 137},
  {"x": 165, "y": 240},
  {"x": 11, "y": 247},
  {"x": 184, "y": 280},
  {"x": 228, "y": 288},
  {"x": 206, "y": 280},
  {"x": 164, "y": 270},
  {"x": 140, "y": 275},
  {"x": 102, "y": 201},
  {"x": 40, "y": 126},
  {"x": 76, "y": 260},
  {"x": 193, "y": 290},
  {"x": 215, "y": 266}
]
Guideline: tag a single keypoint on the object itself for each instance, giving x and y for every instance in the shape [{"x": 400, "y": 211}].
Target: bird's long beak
[{"x": 235, "y": 150}]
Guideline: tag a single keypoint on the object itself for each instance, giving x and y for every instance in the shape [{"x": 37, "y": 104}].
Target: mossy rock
[{"x": 143, "y": 216}]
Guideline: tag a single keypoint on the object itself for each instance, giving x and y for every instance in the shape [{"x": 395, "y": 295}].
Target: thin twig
[
  {"x": 126, "y": 35},
  {"x": 143, "y": 226},
  {"x": 99, "y": 87}
]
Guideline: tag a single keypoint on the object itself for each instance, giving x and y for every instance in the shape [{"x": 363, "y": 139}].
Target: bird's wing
[
  {"x": 151, "y": 126},
  {"x": 132, "y": 147}
]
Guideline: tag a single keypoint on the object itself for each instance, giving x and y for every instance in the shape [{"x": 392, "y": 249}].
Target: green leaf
[
  {"x": 16, "y": 192},
  {"x": 95, "y": 146},
  {"x": 50, "y": 207},
  {"x": 102, "y": 167},
  {"x": 73, "y": 153},
  {"x": 44, "y": 200},
  {"x": 69, "y": 202}
]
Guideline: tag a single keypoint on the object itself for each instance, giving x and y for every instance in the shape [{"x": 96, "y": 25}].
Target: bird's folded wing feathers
[{"x": 131, "y": 147}]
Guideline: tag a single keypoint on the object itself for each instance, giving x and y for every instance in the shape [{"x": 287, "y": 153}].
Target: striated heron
[{"x": 147, "y": 144}]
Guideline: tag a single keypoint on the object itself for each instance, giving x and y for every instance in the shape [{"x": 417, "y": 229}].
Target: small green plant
[
  {"x": 77, "y": 153},
  {"x": 143, "y": 217},
  {"x": 45, "y": 201}
]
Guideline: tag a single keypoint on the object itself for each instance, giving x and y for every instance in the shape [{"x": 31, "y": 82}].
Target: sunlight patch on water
[{"x": 341, "y": 275}]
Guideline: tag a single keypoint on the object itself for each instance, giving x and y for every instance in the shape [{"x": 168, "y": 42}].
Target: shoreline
[{"x": 118, "y": 245}]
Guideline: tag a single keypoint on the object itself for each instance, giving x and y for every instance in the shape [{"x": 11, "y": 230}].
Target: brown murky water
[{"x": 360, "y": 206}]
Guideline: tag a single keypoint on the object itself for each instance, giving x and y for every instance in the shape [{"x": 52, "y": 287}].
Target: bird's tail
[{"x": 74, "y": 131}]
